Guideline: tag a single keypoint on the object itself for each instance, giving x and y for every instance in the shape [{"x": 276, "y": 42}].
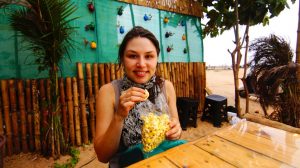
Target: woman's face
[{"x": 140, "y": 60}]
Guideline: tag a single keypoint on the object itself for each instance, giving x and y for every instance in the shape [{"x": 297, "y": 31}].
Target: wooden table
[{"x": 245, "y": 144}]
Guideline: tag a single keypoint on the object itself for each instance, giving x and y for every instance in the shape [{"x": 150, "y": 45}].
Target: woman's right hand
[{"x": 128, "y": 99}]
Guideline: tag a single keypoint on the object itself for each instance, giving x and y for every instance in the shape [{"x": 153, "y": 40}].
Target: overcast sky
[{"x": 285, "y": 25}]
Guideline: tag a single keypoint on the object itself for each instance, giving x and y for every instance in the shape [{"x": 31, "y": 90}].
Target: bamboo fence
[{"x": 24, "y": 108}]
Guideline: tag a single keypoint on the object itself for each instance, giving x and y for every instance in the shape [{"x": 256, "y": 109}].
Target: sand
[{"x": 218, "y": 81}]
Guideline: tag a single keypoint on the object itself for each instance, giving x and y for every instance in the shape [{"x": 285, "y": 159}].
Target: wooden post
[
  {"x": 112, "y": 72},
  {"x": 2, "y": 125},
  {"x": 62, "y": 99},
  {"x": 166, "y": 71},
  {"x": 84, "y": 125},
  {"x": 76, "y": 112},
  {"x": 96, "y": 80},
  {"x": 118, "y": 71},
  {"x": 14, "y": 115},
  {"x": 196, "y": 81},
  {"x": 70, "y": 110},
  {"x": 187, "y": 79},
  {"x": 91, "y": 100},
  {"x": 52, "y": 140},
  {"x": 161, "y": 70},
  {"x": 44, "y": 111},
  {"x": 1, "y": 119},
  {"x": 29, "y": 114},
  {"x": 174, "y": 67},
  {"x": 122, "y": 72},
  {"x": 203, "y": 83},
  {"x": 7, "y": 119},
  {"x": 191, "y": 80},
  {"x": 22, "y": 115},
  {"x": 107, "y": 73},
  {"x": 36, "y": 116},
  {"x": 181, "y": 74},
  {"x": 102, "y": 74}
]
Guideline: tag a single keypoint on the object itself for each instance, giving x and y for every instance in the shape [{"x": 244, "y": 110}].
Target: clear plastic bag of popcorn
[
  {"x": 155, "y": 123},
  {"x": 154, "y": 130}
]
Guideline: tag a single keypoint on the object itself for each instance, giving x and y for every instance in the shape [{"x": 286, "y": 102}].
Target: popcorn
[{"x": 154, "y": 130}]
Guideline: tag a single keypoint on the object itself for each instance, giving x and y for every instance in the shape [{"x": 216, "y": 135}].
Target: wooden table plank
[
  {"x": 155, "y": 162},
  {"x": 270, "y": 148},
  {"x": 276, "y": 135},
  {"x": 190, "y": 156},
  {"x": 237, "y": 155},
  {"x": 245, "y": 144}
]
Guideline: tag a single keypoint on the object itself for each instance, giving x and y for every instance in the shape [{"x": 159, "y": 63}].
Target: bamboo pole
[
  {"x": 166, "y": 71},
  {"x": 63, "y": 104},
  {"x": 76, "y": 111},
  {"x": 175, "y": 79},
  {"x": 1, "y": 125},
  {"x": 44, "y": 111},
  {"x": 107, "y": 73},
  {"x": 196, "y": 81},
  {"x": 178, "y": 79},
  {"x": 91, "y": 100},
  {"x": 198, "y": 86},
  {"x": 96, "y": 80},
  {"x": 22, "y": 115},
  {"x": 178, "y": 69},
  {"x": 112, "y": 72},
  {"x": 36, "y": 116},
  {"x": 1, "y": 119},
  {"x": 122, "y": 71},
  {"x": 70, "y": 110},
  {"x": 52, "y": 140},
  {"x": 14, "y": 115},
  {"x": 172, "y": 67},
  {"x": 118, "y": 71},
  {"x": 191, "y": 80},
  {"x": 29, "y": 114},
  {"x": 102, "y": 74},
  {"x": 203, "y": 83},
  {"x": 186, "y": 65},
  {"x": 7, "y": 119},
  {"x": 158, "y": 70},
  {"x": 181, "y": 79},
  {"x": 161, "y": 70},
  {"x": 84, "y": 125}
]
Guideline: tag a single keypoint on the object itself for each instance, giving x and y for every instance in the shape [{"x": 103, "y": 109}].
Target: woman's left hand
[{"x": 175, "y": 130}]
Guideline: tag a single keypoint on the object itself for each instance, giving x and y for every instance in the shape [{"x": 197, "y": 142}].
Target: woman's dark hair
[{"x": 137, "y": 31}]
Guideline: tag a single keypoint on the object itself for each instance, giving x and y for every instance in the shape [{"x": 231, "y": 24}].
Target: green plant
[
  {"x": 275, "y": 79},
  {"x": 74, "y": 153},
  {"x": 45, "y": 25}
]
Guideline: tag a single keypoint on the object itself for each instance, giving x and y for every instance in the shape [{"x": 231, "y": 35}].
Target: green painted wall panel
[
  {"x": 195, "y": 45},
  {"x": 17, "y": 63}
]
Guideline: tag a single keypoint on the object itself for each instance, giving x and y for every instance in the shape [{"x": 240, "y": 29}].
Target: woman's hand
[
  {"x": 128, "y": 99},
  {"x": 175, "y": 130}
]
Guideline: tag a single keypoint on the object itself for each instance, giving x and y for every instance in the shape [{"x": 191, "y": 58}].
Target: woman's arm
[
  {"x": 175, "y": 128},
  {"x": 109, "y": 123}
]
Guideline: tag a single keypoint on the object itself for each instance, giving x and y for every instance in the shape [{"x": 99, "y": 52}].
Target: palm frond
[{"x": 276, "y": 83}]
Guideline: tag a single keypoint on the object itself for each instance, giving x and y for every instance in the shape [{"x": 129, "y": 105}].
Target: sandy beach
[{"x": 218, "y": 81}]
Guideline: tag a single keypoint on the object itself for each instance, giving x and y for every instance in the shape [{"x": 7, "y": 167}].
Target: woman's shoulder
[
  {"x": 106, "y": 89},
  {"x": 168, "y": 84}
]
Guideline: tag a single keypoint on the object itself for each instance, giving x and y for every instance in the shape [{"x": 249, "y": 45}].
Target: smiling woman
[{"x": 120, "y": 103}]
